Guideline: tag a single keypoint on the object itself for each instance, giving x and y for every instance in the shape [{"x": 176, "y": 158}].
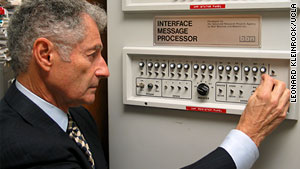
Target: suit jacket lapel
[
  {"x": 35, "y": 116},
  {"x": 30, "y": 111}
]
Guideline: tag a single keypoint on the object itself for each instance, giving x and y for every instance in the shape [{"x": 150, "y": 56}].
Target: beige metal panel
[{"x": 155, "y": 138}]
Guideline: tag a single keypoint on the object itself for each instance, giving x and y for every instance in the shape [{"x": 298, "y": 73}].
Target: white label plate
[{"x": 212, "y": 30}]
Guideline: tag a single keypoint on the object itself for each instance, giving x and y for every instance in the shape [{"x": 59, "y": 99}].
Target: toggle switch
[
  {"x": 150, "y": 86},
  {"x": 236, "y": 68},
  {"x": 210, "y": 67},
  {"x": 228, "y": 68},
  {"x": 221, "y": 68},
  {"x": 140, "y": 85},
  {"x": 246, "y": 69},
  {"x": 196, "y": 66},
  {"x": 254, "y": 69},
  {"x": 150, "y": 65},
  {"x": 179, "y": 66},
  {"x": 141, "y": 64},
  {"x": 186, "y": 66},
  {"x": 172, "y": 65},
  {"x": 203, "y": 67},
  {"x": 263, "y": 69},
  {"x": 163, "y": 65}
]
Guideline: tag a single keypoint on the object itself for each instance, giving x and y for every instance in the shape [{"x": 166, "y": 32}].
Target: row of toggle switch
[
  {"x": 203, "y": 67},
  {"x": 150, "y": 86}
]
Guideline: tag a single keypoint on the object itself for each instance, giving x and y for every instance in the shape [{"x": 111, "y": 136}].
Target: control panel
[{"x": 209, "y": 81}]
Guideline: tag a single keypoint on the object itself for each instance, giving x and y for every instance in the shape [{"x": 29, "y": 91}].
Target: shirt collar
[{"x": 53, "y": 112}]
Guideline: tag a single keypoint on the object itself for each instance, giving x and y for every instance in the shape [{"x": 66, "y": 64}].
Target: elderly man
[{"x": 56, "y": 50}]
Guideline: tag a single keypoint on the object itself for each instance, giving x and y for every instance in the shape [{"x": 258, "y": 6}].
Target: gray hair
[{"x": 59, "y": 21}]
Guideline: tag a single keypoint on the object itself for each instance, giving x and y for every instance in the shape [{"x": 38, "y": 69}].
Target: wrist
[{"x": 255, "y": 137}]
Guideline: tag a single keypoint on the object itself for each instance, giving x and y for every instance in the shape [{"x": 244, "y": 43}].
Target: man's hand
[{"x": 266, "y": 109}]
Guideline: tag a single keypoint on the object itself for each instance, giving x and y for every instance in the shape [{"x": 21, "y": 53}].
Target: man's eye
[{"x": 94, "y": 54}]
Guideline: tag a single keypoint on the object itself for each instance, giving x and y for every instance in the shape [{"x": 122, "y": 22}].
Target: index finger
[{"x": 266, "y": 84}]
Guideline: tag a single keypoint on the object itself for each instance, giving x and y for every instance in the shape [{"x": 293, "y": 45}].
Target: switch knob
[
  {"x": 263, "y": 69},
  {"x": 254, "y": 69},
  {"x": 150, "y": 86},
  {"x": 236, "y": 68},
  {"x": 141, "y": 85},
  {"x": 210, "y": 67},
  {"x": 203, "y": 89},
  {"x": 150, "y": 65},
  {"x": 221, "y": 68},
  {"x": 141, "y": 64},
  {"x": 186, "y": 66},
  {"x": 196, "y": 66},
  {"x": 179, "y": 66},
  {"x": 203, "y": 67},
  {"x": 156, "y": 65},
  {"x": 246, "y": 69},
  {"x": 163, "y": 65},
  {"x": 228, "y": 68},
  {"x": 172, "y": 65}
]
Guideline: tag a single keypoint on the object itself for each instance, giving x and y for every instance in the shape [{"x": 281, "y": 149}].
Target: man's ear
[{"x": 43, "y": 53}]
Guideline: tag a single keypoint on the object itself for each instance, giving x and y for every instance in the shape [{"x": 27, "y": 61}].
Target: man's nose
[{"x": 102, "y": 70}]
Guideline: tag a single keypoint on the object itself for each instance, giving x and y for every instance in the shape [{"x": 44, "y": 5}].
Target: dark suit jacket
[
  {"x": 218, "y": 159},
  {"x": 30, "y": 139}
]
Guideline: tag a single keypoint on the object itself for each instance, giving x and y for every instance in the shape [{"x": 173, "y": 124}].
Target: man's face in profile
[{"x": 76, "y": 81}]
